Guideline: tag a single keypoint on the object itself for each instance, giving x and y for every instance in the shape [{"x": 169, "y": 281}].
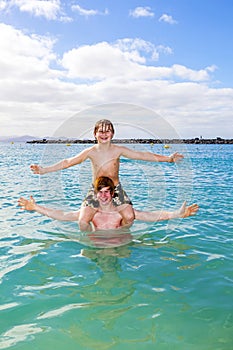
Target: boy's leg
[
  {"x": 85, "y": 217},
  {"x": 123, "y": 205},
  {"x": 127, "y": 213},
  {"x": 88, "y": 210}
]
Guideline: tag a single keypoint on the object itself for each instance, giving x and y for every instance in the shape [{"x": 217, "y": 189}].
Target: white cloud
[
  {"x": 29, "y": 55},
  {"x": 168, "y": 19},
  {"x": 103, "y": 60},
  {"x": 3, "y": 5},
  {"x": 140, "y": 47},
  {"x": 50, "y": 9},
  {"x": 141, "y": 12},
  {"x": 86, "y": 12},
  {"x": 35, "y": 98},
  {"x": 212, "y": 68},
  {"x": 126, "y": 57}
]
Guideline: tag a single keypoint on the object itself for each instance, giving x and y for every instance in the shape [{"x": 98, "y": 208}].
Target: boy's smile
[{"x": 104, "y": 134}]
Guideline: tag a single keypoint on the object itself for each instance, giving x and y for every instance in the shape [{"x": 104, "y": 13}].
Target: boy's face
[
  {"x": 104, "y": 133},
  {"x": 104, "y": 196}
]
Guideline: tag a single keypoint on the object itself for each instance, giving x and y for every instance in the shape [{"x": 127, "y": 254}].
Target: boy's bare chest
[{"x": 105, "y": 159}]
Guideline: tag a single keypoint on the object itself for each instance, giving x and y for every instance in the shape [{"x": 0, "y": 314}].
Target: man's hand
[
  {"x": 27, "y": 204},
  {"x": 175, "y": 157},
  {"x": 185, "y": 211}
]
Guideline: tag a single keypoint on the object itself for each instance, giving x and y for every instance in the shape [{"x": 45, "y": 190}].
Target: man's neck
[{"x": 107, "y": 208}]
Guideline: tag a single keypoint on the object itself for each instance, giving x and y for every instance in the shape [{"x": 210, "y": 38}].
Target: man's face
[
  {"x": 104, "y": 196},
  {"x": 104, "y": 133}
]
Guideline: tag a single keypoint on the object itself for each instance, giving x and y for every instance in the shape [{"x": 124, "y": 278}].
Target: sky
[{"x": 139, "y": 63}]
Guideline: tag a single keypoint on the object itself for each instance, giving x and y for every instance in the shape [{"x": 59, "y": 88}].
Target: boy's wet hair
[
  {"x": 106, "y": 125},
  {"x": 104, "y": 181}
]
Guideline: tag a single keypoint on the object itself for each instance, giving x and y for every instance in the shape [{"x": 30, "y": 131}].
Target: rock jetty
[{"x": 197, "y": 140}]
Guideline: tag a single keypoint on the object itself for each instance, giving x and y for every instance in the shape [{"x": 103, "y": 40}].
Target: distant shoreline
[{"x": 196, "y": 140}]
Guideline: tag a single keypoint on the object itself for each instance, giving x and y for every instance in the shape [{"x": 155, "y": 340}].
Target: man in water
[
  {"x": 105, "y": 160},
  {"x": 106, "y": 216}
]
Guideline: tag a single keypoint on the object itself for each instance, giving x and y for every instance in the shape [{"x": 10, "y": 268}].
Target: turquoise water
[{"x": 170, "y": 287}]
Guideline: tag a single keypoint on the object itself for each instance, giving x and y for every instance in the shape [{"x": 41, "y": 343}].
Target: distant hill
[
  {"x": 23, "y": 138},
  {"x": 27, "y": 138}
]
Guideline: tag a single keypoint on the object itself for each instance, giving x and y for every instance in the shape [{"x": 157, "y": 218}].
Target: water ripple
[{"x": 171, "y": 278}]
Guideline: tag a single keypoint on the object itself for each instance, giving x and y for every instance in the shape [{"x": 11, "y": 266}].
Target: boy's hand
[
  {"x": 27, "y": 204},
  {"x": 175, "y": 157},
  {"x": 36, "y": 169}
]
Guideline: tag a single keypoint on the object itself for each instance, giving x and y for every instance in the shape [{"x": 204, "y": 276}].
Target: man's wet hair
[{"x": 104, "y": 181}]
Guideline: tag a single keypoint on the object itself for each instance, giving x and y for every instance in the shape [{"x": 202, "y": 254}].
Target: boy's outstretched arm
[
  {"x": 63, "y": 164},
  {"x": 30, "y": 205},
  {"x": 153, "y": 216},
  {"x": 149, "y": 156}
]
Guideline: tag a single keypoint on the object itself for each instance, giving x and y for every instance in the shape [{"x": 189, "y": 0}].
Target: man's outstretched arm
[
  {"x": 30, "y": 205},
  {"x": 153, "y": 216}
]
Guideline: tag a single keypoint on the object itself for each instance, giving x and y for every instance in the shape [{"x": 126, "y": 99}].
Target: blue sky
[{"x": 64, "y": 58}]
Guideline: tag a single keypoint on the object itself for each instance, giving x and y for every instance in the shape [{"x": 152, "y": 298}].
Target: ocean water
[{"x": 168, "y": 287}]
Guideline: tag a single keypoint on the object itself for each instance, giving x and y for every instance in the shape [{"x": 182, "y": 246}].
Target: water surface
[{"x": 170, "y": 287}]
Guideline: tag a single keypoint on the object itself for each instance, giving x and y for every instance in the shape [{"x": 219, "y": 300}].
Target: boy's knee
[
  {"x": 128, "y": 215},
  {"x": 84, "y": 225},
  {"x": 85, "y": 218}
]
